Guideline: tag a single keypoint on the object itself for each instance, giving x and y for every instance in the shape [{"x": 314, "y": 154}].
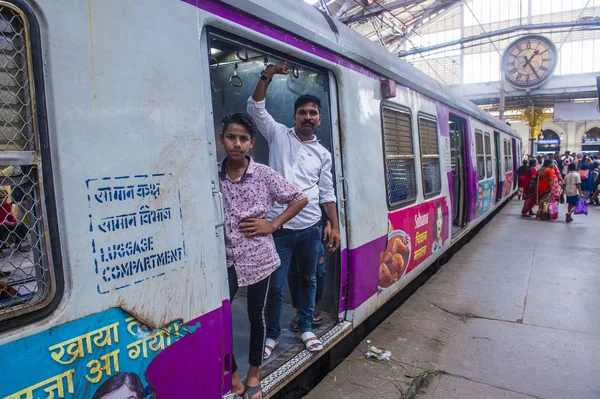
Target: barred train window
[
  {"x": 399, "y": 156},
  {"x": 509, "y": 157},
  {"x": 488, "y": 155},
  {"x": 26, "y": 281},
  {"x": 480, "y": 154},
  {"x": 507, "y": 166},
  {"x": 430, "y": 157}
]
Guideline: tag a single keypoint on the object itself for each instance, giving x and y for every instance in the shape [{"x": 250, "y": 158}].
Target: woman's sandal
[
  {"x": 270, "y": 345},
  {"x": 251, "y": 391},
  {"x": 311, "y": 341}
]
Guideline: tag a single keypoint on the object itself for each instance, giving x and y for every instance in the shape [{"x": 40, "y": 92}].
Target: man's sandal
[
  {"x": 270, "y": 345},
  {"x": 311, "y": 342},
  {"x": 251, "y": 391},
  {"x": 317, "y": 319},
  {"x": 294, "y": 325}
]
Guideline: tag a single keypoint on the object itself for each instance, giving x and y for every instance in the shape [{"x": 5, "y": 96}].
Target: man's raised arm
[{"x": 267, "y": 126}]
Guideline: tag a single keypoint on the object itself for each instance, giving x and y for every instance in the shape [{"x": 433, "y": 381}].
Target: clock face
[{"x": 529, "y": 61}]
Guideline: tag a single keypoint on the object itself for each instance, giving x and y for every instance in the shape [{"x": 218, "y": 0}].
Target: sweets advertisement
[{"x": 413, "y": 235}]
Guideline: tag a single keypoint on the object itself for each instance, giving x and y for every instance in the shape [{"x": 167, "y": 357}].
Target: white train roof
[{"x": 306, "y": 21}]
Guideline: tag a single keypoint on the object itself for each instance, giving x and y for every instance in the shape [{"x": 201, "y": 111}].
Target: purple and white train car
[{"x": 114, "y": 283}]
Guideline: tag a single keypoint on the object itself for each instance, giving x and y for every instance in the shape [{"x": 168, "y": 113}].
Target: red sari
[{"x": 528, "y": 195}]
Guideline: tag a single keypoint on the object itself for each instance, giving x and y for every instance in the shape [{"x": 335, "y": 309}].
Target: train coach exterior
[{"x": 131, "y": 218}]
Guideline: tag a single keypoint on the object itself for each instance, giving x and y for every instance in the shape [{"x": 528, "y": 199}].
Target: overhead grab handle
[
  {"x": 235, "y": 80},
  {"x": 296, "y": 72},
  {"x": 211, "y": 64},
  {"x": 239, "y": 57}
]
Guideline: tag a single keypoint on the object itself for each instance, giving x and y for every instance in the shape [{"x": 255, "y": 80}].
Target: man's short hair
[
  {"x": 241, "y": 118},
  {"x": 572, "y": 167},
  {"x": 306, "y": 99}
]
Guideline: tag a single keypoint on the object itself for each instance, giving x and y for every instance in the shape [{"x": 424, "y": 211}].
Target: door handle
[
  {"x": 344, "y": 189},
  {"x": 221, "y": 209}
]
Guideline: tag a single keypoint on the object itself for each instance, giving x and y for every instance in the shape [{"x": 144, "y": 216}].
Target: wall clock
[{"x": 529, "y": 61}]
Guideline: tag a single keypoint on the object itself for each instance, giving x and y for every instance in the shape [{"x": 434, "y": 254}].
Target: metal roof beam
[
  {"x": 554, "y": 25},
  {"x": 378, "y": 10},
  {"x": 446, "y": 5}
]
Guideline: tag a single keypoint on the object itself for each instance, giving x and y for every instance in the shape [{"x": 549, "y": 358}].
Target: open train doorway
[
  {"x": 235, "y": 65},
  {"x": 499, "y": 171},
  {"x": 458, "y": 164}
]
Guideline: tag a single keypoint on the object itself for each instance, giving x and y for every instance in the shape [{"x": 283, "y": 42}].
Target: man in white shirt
[{"x": 298, "y": 156}]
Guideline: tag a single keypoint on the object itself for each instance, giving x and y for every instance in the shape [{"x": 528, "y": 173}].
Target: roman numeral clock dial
[{"x": 529, "y": 61}]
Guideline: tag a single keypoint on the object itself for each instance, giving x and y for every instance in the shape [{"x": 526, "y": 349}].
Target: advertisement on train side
[
  {"x": 93, "y": 357},
  {"x": 508, "y": 184},
  {"x": 485, "y": 193},
  {"x": 413, "y": 235}
]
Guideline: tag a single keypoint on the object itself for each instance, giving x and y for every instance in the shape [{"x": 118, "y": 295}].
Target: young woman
[{"x": 529, "y": 189}]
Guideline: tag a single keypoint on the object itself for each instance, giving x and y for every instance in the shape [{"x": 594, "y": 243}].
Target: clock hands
[{"x": 528, "y": 63}]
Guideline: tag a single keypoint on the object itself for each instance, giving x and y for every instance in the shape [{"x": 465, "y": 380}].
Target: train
[{"x": 113, "y": 274}]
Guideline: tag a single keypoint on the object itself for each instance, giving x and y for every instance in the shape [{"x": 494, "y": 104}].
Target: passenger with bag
[
  {"x": 587, "y": 180},
  {"x": 544, "y": 192},
  {"x": 573, "y": 190}
]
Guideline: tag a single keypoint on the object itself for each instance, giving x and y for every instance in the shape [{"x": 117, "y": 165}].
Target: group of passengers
[
  {"x": 273, "y": 221},
  {"x": 546, "y": 181}
]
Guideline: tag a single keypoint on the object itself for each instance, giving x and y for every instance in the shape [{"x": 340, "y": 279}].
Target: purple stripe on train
[
  {"x": 261, "y": 26},
  {"x": 193, "y": 366}
]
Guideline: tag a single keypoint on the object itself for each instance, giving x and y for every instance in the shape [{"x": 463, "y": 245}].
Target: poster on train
[
  {"x": 485, "y": 193},
  {"x": 92, "y": 357},
  {"x": 413, "y": 235},
  {"x": 508, "y": 183}
]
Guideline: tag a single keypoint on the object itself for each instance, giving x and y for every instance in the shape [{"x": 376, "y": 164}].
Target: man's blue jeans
[{"x": 304, "y": 246}]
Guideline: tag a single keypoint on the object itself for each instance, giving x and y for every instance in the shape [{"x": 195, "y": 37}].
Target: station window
[
  {"x": 399, "y": 156},
  {"x": 480, "y": 154},
  {"x": 27, "y": 281},
  {"x": 488, "y": 155},
  {"x": 430, "y": 157}
]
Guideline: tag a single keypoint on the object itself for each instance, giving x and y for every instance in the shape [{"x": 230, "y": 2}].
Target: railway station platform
[{"x": 514, "y": 314}]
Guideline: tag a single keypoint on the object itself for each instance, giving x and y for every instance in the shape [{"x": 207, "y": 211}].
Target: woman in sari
[
  {"x": 556, "y": 189},
  {"x": 528, "y": 194},
  {"x": 545, "y": 187},
  {"x": 587, "y": 181}
]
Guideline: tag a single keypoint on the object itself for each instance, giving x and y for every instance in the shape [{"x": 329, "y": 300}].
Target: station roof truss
[{"x": 387, "y": 22}]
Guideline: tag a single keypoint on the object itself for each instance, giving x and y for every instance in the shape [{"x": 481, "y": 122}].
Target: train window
[
  {"x": 430, "y": 157},
  {"x": 507, "y": 157},
  {"x": 480, "y": 154},
  {"x": 399, "y": 156},
  {"x": 488, "y": 155},
  {"x": 26, "y": 277}
]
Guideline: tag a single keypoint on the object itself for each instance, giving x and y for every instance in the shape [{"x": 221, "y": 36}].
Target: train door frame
[
  {"x": 499, "y": 157},
  {"x": 516, "y": 161},
  {"x": 459, "y": 167},
  {"x": 336, "y": 262}
]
